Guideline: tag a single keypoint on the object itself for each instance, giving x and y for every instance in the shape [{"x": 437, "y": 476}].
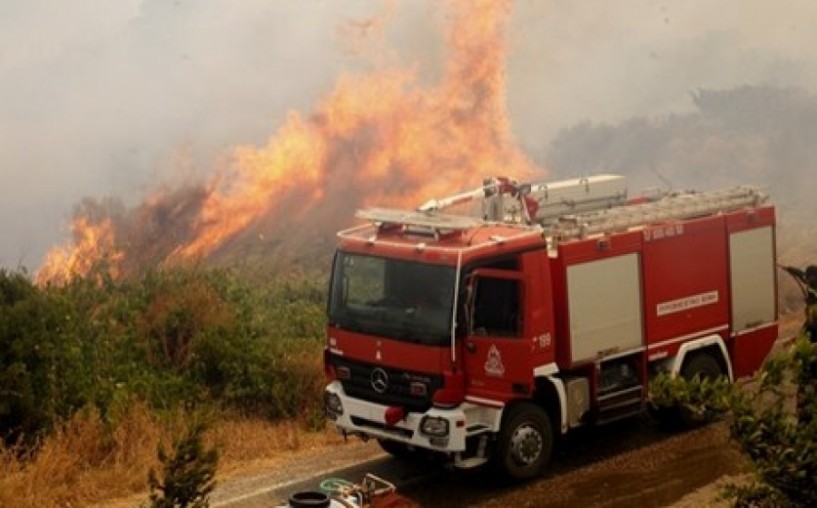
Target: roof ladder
[
  {"x": 427, "y": 223},
  {"x": 680, "y": 206}
]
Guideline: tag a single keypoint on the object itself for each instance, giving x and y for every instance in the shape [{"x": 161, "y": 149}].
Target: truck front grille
[{"x": 361, "y": 384}]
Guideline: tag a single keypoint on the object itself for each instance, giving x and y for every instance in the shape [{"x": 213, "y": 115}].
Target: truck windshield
[{"x": 402, "y": 300}]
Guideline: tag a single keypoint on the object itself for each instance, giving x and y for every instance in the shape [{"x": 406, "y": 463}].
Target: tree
[{"x": 188, "y": 473}]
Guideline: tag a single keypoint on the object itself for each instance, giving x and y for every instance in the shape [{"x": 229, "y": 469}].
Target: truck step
[
  {"x": 470, "y": 462},
  {"x": 620, "y": 411},
  {"x": 476, "y": 453},
  {"x": 476, "y": 429},
  {"x": 620, "y": 404}
]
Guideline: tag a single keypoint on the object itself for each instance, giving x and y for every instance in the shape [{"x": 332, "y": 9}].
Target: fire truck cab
[{"x": 484, "y": 338}]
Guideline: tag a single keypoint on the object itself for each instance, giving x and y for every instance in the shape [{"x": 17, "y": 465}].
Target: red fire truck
[{"x": 485, "y": 336}]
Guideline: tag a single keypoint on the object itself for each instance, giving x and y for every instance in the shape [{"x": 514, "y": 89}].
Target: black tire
[
  {"x": 525, "y": 442},
  {"x": 704, "y": 366},
  {"x": 398, "y": 450},
  {"x": 309, "y": 499}
]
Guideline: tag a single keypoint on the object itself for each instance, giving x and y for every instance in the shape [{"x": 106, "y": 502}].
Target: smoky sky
[{"x": 114, "y": 98}]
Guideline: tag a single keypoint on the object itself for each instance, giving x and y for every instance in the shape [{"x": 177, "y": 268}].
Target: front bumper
[{"x": 368, "y": 419}]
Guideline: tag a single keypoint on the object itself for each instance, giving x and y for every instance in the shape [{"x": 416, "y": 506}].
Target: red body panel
[
  {"x": 749, "y": 350},
  {"x": 755, "y": 217},
  {"x": 392, "y": 353},
  {"x": 502, "y": 368},
  {"x": 685, "y": 284},
  {"x": 471, "y": 245},
  {"x": 574, "y": 253},
  {"x": 685, "y": 279},
  {"x": 539, "y": 321}
]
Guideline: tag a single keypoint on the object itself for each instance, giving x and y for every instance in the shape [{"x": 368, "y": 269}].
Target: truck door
[{"x": 497, "y": 357}]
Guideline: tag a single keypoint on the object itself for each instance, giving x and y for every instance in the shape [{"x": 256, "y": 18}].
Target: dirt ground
[
  {"x": 622, "y": 467},
  {"x": 709, "y": 495}
]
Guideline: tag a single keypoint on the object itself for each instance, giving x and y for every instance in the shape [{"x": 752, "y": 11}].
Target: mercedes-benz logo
[{"x": 380, "y": 380}]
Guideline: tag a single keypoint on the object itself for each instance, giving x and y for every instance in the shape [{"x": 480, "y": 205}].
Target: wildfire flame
[
  {"x": 92, "y": 243},
  {"x": 377, "y": 138}
]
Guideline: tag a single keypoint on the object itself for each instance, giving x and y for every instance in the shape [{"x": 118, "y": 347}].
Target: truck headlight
[
  {"x": 434, "y": 426},
  {"x": 332, "y": 403}
]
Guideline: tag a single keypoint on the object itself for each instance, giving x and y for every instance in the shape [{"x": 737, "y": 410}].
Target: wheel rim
[{"x": 526, "y": 445}]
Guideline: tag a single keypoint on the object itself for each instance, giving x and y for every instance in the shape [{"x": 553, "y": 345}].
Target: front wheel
[{"x": 525, "y": 442}]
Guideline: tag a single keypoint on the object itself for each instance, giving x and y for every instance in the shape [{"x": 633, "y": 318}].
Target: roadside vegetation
[
  {"x": 773, "y": 420},
  {"x": 100, "y": 380},
  {"x": 97, "y": 374}
]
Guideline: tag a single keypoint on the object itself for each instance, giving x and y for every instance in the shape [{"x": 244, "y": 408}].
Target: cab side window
[{"x": 496, "y": 307}]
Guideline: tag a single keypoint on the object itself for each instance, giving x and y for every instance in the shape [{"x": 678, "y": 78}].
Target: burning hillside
[{"x": 376, "y": 138}]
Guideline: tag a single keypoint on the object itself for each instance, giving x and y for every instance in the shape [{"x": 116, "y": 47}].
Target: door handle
[{"x": 471, "y": 347}]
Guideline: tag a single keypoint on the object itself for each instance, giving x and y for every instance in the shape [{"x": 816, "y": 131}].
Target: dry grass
[
  {"x": 87, "y": 462},
  {"x": 246, "y": 443}
]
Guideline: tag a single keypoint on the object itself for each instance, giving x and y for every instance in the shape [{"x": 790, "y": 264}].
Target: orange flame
[
  {"x": 92, "y": 244},
  {"x": 377, "y": 138}
]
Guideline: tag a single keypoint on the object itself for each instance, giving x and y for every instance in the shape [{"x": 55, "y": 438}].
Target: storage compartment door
[
  {"x": 604, "y": 307},
  {"x": 751, "y": 254}
]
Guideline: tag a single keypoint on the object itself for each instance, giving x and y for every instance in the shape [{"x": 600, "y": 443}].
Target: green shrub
[
  {"x": 705, "y": 398},
  {"x": 43, "y": 376},
  {"x": 772, "y": 420},
  {"x": 188, "y": 472},
  {"x": 184, "y": 335},
  {"x": 776, "y": 428}
]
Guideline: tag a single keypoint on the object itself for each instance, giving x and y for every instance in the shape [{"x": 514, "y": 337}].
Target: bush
[
  {"x": 43, "y": 376},
  {"x": 776, "y": 428},
  {"x": 772, "y": 420},
  {"x": 705, "y": 399},
  {"x": 188, "y": 336}
]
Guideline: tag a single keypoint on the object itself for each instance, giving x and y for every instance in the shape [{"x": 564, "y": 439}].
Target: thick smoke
[
  {"x": 112, "y": 98},
  {"x": 749, "y": 135},
  {"x": 608, "y": 61}
]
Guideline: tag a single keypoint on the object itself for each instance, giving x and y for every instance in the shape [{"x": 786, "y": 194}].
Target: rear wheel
[
  {"x": 525, "y": 442},
  {"x": 703, "y": 366}
]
